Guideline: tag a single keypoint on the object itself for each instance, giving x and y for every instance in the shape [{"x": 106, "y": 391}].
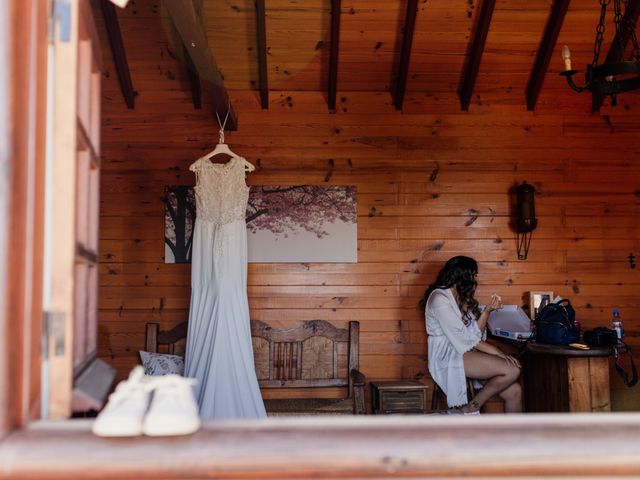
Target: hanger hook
[{"x": 222, "y": 124}]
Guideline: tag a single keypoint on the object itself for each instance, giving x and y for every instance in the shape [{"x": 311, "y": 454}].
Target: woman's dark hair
[{"x": 461, "y": 272}]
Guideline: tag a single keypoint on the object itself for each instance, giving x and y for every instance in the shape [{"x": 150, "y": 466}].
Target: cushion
[{"x": 161, "y": 363}]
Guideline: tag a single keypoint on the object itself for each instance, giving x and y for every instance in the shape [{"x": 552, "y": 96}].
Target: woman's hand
[
  {"x": 495, "y": 304},
  {"x": 486, "y": 347},
  {"x": 510, "y": 359}
]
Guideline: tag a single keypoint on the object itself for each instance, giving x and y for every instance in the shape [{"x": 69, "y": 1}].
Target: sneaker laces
[
  {"x": 136, "y": 383},
  {"x": 173, "y": 390},
  {"x": 139, "y": 383}
]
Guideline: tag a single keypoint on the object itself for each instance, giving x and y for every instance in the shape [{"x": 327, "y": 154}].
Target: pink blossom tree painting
[{"x": 307, "y": 223}]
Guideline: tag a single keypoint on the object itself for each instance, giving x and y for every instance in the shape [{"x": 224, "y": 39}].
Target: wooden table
[{"x": 565, "y": 379}]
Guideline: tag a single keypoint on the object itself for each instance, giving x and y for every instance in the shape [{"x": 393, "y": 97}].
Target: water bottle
[{"x": 616, "y": 323}]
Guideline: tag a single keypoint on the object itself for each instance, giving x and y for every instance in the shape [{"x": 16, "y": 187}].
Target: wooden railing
[{"x": 505, "y": 446}]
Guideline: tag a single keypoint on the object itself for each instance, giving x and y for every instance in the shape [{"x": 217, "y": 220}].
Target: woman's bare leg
[
  {"x": 512, "y": 396},
  {"x": 500, "y": 375}
]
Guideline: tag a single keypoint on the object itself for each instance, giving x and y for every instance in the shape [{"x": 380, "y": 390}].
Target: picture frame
[{"x": 538, "y": 300}]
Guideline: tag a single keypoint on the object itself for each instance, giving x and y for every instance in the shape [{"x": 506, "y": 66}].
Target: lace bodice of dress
[{"x": 221, "y": 191}]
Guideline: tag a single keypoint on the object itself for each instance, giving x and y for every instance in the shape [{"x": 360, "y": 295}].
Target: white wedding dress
[{"x": 219, "y": 353}]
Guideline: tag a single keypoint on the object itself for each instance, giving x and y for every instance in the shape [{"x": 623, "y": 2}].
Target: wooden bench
[{"x": 314, "y": 355}]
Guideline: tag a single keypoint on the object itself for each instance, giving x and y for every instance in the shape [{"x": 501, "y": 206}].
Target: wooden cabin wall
[{"x": 432, "y": 182}]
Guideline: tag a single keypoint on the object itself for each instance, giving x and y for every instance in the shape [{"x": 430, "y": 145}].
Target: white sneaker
[
  {"x": 173, "y": 409},
  {"x": 123, "y": 414},
  {"x": 474, "y": 412},
  {"x": 453, "y": 411}
]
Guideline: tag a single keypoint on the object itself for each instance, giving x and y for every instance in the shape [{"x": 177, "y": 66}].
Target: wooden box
[{"x": 403, "y": 396}]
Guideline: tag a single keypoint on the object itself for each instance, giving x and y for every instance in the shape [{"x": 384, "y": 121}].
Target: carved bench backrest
[{"x": 314, "y": 354}]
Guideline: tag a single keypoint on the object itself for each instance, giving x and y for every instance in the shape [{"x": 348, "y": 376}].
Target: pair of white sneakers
[{"x": 149, "y": 405}]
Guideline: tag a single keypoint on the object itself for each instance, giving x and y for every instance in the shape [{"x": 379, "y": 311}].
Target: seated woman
[{"x": 457, "y": 349}]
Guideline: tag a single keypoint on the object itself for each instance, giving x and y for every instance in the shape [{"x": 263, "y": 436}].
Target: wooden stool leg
[
  {"x": 437, "y": 393},
  {"x": 471, "y": 391},
  {"x": 435, "y": 396}
]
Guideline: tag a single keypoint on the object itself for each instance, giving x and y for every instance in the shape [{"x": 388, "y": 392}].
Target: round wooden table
[
  {"x": 543, "y": 348},
  {"x": 566, "y": 379}
]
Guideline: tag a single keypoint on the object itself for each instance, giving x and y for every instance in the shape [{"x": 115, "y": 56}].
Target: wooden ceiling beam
[
  {"x": 263, "y": 79},
  {"x": 191, "y": 31},
  {"x": 192, "y": 72},
  {"x": 630, "y": 18},
  {"x": 405, "y": 53},
  {"x": 117, "y": 50},
  {"x": 334, "y": 48},
  {"x": 470, "y": 72},
  {"x": 545, "y": 51},
  {"x": 194, "y": 80}
]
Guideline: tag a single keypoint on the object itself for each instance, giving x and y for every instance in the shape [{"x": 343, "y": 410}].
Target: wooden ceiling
[{"x": 461, "y": 52}]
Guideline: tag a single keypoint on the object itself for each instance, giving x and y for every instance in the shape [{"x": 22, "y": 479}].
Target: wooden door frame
[
  {"x": 5, "y": 177},
  {"x": 22, "y": 170},
  {"x": 22, "y": 164}
]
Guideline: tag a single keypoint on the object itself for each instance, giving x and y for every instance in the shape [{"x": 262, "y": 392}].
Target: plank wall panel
[
  {"x": 432, "y": 182},
  {"x": 369, "y": 41}
]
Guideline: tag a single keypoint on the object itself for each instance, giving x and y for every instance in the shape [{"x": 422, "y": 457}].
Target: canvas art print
[
  {"x": 309, "y": 223},
  {"x": 305, "y": 223}
]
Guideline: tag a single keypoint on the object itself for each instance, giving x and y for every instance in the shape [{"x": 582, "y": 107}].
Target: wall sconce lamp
[{"x": 526, "y": 221}]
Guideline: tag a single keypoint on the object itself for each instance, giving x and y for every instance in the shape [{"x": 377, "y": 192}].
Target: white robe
[{"x": 449, "y": 338}]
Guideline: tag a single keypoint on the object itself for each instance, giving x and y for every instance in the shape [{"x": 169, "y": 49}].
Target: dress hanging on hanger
[
  {"x": 222, "y": 148},
  {"x": 219, "y": 352}
]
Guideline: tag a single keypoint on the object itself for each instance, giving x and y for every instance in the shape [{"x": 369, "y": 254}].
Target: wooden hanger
[
  {"x": 223, "y": 148},
  {"x": 220, "y": 149}
]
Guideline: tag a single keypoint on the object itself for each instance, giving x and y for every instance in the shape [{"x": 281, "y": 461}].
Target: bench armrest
[{"x": 358, "y": 381}]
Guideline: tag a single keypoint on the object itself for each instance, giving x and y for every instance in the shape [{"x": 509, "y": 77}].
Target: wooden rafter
[
  {"x": 405, "y": 53},
  {"x": 192, "y": 72},
  {"x": 630, "y": 18},
  {"x": 545, "y": 50},
  {"x": 191, "y": 31},
  {"x": 333, "y": 54},
  {"x": 194, "y": 80},
  {"x": 470, "y": 72},
  {"x": 117, "y": 50},
  {"x": 262, "y": 53}
]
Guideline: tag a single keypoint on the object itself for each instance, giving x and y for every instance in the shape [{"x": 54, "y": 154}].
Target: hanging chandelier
[{"x": 610, "y": 78}]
